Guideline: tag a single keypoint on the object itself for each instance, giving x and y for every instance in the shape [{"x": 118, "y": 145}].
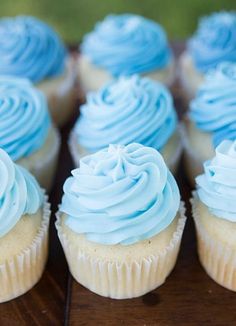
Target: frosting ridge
[
  {"x": 217, "y": 186},
  {"x": 214, "y": 108},
  {"x": 214, "y": 40},
  {"x": 130, "y": 109},
  {"x": 120, "y": 195},
  {"x": 25, "y": 121},
  {"x": 29, "y": 48},
  {"x": 127, "y": 44},
  {"x": 19, "y": 193}
]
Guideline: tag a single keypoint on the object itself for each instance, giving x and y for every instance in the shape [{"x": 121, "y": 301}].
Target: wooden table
[{"x": 188, "y": 298}]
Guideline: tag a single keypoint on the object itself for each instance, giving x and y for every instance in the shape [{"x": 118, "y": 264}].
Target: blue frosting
[
  {"x": 120, "y": 195},
  {"x": 130, "y": 109},
  {"x": 214, "y": 108},
  {"x": 127, "y": 44},
  {"x": 19, "y": 193},
  {"x": 25, "y": 121},
  {"x": 31, "y": 49},
  {"x": 214, "y": 41},
  {"x": 217, "y": 187}
]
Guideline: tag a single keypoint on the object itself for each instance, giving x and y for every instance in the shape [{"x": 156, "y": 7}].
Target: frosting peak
[
  {"x": 120, "y": 195},
  {"x": 214, "y": 41},
  {"x": 130, "y": 109},
  {"x": 127, "y": 44},
  {"x": 214, "y": 108},
  {"x": 29, "y": 48},
  {"x": 217, "y": 187},
  {"x": 25, "y": 120},
  {"x": 19, "y": 193}
]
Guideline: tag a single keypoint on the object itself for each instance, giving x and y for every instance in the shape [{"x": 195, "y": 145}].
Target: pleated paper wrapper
[
  {"x": 121, "y": 280},
  {"x": 22, "y": 272}
]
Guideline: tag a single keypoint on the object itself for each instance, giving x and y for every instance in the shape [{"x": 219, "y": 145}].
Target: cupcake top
[
  {"x": 25, "y": 121},
  {"x": 214, "y": 41},
  {"x": 214, "y": 108},
  {"x": 127, "y": 44},
  {"x": 217, "y": 186},
  {"x": 120, "y": 195},
  {"x": 31, "y": 49},
  {"x": 19, "y": 193},
  {"x": 130, "y": 109}
]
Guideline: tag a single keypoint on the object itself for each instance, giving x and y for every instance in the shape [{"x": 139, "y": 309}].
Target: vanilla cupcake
[
  {"x": 31, "y": 49},
  {"x": 24, "y": 221},
  {"x": 130, "y": 109},
  {"x": 214, "y": 212},
  {"x": 213, "y": 42},
  {"x": 212, "y": 117},
  {"x": 26, "y": 131},
  {"x": 121, "y": 221},
  {"x": 124, "y": 45}
]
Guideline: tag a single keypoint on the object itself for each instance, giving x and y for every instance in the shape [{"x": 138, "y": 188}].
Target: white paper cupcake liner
[
  {"x": 193, "y": 165},
  {"x": 78, "y": 152},
  {"x": 61, "y": 93},
  {"x": 45, "y": 168},
  {"x": 23, "y": 271},
  {"x": 218, "y": 260},
  {"x": 121, "y": 280}
]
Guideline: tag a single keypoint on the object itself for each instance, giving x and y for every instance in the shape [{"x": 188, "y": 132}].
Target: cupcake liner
[
  {"x": 120, "y": 280},
  {"x": 45, "y": 168},
  {"x": 173, "y": 162},
  {"x": 24, "y": 270},
  {"x": 166, "y": 76},
  {"x": 78, "y": 152},
  {"x": 193, "y": 165},
  {"x": 218, "y": 260},
  {"x": 189, "y": 86},
  {"x": 61, "y": 94}
]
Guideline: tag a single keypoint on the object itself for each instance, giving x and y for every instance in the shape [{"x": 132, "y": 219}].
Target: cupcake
[
  {"x": 214, "y": 212},
  {"x": 130, "y": 109},
  {"x": 26, "y": 131},
  {"x": 121, "y": 221},
  {"x": 124, "y": 45},
  {"x": 24, "y": 221},
  {"x": 212, "y": 117},
  {"x": 213, "y": 42},
  {"x": 31, "y": 49}
]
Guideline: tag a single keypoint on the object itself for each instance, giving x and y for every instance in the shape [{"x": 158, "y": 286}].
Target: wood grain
[{"x": 189, "y": 297}]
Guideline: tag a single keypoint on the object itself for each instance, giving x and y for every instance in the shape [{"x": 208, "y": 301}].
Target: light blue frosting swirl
[
  {"x": 31, "y": 49},
  {"x": 120, "y": 195},
  {"x": 127, "y": 44},
  {"x": 19, "y": 193},
  {"x": 130, "y": 109},
  {"x": 217, "y": 187},
  {"x": 214, "y": 41},
  {"x": 24, "y": 117},
  {"x": 214, "y": 108}
]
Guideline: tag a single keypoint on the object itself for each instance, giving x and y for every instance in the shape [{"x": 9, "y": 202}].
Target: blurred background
[{"x": 73, "y": 18}]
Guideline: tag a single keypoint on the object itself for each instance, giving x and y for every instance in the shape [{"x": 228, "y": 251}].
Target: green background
[{"x": 73, "y": 18}]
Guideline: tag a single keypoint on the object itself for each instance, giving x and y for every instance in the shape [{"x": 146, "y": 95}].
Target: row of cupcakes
[
  {"x": 120, "y": 45},
  {"x": 120, "y": 222},
  {"x": 125, "y": 110}
]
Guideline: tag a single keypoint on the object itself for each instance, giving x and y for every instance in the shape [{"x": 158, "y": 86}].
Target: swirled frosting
[
  {"x": 25, "y": 121},
  {"x": 216, "y": 188},
  {"x": 130, "y": 109},
  {"x": 31, "y": 49},
  {"x": 214, "y": 41},
  {"x": 19, "y": 193},
  {"x": 120, "y": 195},
  {"x": 127, "y": 44},
  {"x": 214, "y": 108}
]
